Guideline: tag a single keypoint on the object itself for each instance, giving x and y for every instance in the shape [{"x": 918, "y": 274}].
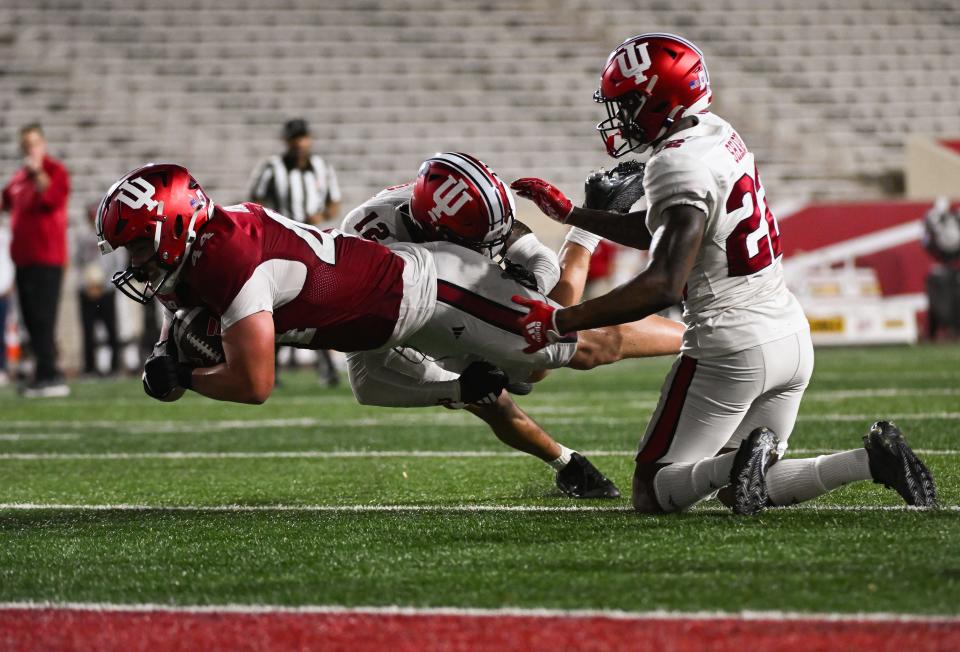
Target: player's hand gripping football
[
  {"x": 546, "y": 196},
  {"x": 481, "y": 384},
  {"x": 539, "y": 325},
  {"x": 615, "y": 190},
  {"x": 164, "y": 374}
]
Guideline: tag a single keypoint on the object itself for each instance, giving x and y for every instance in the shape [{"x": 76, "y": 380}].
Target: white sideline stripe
[
  {"x": 22, "y": 436},
  {"x": 427, "y": 419},
  {"x": 438, "y": 509},
  {"x": 518, "y": 612},
  {"x": 361, "y": 454}
]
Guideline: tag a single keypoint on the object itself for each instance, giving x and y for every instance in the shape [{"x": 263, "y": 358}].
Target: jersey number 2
[
  {"x": 754, "y": 243},
  {"x": 321, "y": 242}
]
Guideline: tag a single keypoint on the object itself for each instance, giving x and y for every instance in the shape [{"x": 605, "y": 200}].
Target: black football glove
[
  {"x": 614, "y": 190},
  {"x": 163, "y": 372},
  {"x": 481, "y": 383}
]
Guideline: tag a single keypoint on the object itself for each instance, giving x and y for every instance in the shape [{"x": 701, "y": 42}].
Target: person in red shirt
[{"x": 36, "y": 197}]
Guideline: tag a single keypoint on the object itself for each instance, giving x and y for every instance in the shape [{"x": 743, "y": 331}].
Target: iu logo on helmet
[
  {"x": 450, "y": 197},
  {"x": 634, "y": 61},
  {"x": 137, "y": 193}
]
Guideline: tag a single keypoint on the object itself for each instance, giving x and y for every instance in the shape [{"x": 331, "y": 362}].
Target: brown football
[{"x": 196, "y": 332}]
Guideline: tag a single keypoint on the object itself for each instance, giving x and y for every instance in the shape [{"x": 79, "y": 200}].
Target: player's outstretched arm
[
  {"x": 658, "y": 286},
  {"x": 247, "y": 375},
  {"x": 629, "y": 230}
]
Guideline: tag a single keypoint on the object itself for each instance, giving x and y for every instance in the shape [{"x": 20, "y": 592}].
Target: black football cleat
[
  {"x": 894, "y": 465},
  {"x": 581, "y": 479},
  {"x": 748, "y": 477}
]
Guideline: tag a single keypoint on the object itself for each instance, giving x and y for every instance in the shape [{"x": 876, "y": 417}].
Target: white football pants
[{"x": 713, "y": 403}]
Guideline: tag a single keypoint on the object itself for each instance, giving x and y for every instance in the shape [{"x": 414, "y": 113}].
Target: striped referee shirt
[{"x": 296, "y": 193}]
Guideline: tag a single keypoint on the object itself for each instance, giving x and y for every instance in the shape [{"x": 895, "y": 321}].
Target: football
[{"x": 196, "y": 332}]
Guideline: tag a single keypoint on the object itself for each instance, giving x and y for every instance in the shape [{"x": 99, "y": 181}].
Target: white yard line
[
  {"x": 440, "y": 509},
  {"x": 885, "y": 392},
  {"x": 369, "y": 454},
  {"x": 502, "y": 612},
  {"x": 26, "y": 436},
  {"x": 421, "y": 419}
]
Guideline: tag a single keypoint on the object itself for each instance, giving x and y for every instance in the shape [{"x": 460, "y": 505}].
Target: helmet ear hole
[{"x": 178, "y": 227}]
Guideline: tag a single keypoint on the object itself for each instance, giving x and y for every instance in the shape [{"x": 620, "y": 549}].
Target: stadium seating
[{"x": 825, "y": 92}]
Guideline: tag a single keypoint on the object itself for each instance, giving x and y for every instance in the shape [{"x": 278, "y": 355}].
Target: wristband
[{"x": 585, "y": 239}]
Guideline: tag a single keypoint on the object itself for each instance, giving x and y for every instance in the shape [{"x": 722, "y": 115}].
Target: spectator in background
[
  {"x": 302, "y": 186},
  {"x": 97, "y": 298},
  {"x": 6, "y": 290},
  {"x": 941, "y": 238},
  {"x": 298, "y": 183},
  {"x": 36, "y": 197}
]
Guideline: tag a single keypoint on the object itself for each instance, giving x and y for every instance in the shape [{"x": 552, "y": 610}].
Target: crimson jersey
[{"x": 325, "y": 289}]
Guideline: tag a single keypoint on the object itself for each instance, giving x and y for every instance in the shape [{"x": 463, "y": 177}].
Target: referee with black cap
[{"x": 302, "y": 186}]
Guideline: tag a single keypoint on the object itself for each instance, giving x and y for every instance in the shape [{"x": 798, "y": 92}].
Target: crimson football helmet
[
  {"x": 648, "y": 83},
  {"x": 160, "y": 203},
  {"x": 456, "y": 197}
]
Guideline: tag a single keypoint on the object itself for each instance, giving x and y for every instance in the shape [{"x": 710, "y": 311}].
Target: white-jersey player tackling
[
  {"x": 457, "y": 198},
  {"x": 746, "y": 357}
]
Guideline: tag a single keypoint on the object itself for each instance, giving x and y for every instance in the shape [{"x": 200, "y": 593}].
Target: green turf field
[{"x": 426, "y": 508}]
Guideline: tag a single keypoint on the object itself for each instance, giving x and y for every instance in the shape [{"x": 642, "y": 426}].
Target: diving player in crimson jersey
[
  {"x": 271, "y": 279},
  {"x": 729, "y": 405}
]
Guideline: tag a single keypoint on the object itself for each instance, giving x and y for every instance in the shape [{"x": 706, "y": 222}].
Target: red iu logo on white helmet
[{"x": 449, "y": 197}]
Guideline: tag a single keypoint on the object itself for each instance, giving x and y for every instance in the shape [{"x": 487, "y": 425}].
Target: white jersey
[
  {"x": 381, "y": 218},
  {"x": 406, "y": 378},
  {"x": 386, "y": 219},
  {"x": 735, "y": 297}
]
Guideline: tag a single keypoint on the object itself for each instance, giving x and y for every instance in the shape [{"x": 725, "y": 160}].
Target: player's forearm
[
  {"x": 229, "y": 383},
  {"x": 574, "y": 264},
  {"x": 629, "y": 230},
  {"x": 648, "y": 293}
]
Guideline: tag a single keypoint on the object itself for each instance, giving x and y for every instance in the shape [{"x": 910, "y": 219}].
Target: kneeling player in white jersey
[
  {"x": 715, "y": 245},
  {"x": 459, "y": 199}
]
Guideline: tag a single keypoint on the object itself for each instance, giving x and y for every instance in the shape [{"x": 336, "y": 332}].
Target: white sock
[
  {"x": 794, "y": 481},
  {"x": 585, "y": 239},
  {"x": 564, "y": 458},
  {"x": 679, "y": 486}
]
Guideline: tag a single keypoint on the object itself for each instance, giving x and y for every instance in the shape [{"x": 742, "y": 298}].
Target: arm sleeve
[
  {"x": 676, "y": 179},
  {"x": 388, "y": 379},
  {"x": 585, "y": 239},
  {"x": 255, "y": 296},
  {"x": 350, "y": 221},
  {"x": 538, "y": 258},
  {"x": 222, "y": 267}
]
